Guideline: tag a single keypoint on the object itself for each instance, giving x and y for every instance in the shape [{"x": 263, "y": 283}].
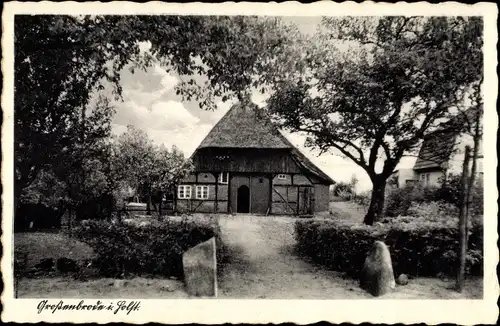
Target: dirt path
[{"x": 263, "y": 265}]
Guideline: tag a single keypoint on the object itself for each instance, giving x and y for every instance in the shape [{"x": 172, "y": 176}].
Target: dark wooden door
[
  {"x": 305, "y": 200},
  {"x": 259, "y": 194}
]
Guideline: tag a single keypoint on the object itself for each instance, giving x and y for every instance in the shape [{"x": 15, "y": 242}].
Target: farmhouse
[
  {"x": 441, "y": 154},
  {"x": 245, "y": 165}
]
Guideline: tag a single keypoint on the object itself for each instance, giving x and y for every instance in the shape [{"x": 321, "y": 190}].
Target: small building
[
  {"x": 245, "y": 165},
  {"x": 441, "y": 154}
]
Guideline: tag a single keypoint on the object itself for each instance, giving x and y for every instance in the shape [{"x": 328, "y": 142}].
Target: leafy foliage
[
  {"x": 61, "y": 62},
  {"x": 142, "y": 164},
  {"x": 342, "y": 189},
  {"x": 418, "y": 248},
  {"x": 372, "y": 88},
  {"x": 131, "y": 249},
  {"x": 445, "y": 198}
]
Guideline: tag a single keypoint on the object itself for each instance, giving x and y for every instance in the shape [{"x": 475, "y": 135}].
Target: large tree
[
  {"x": 373, "y": 88},
  {"x": 147, "y": 166},
  {"x": 61, "y": 61}
]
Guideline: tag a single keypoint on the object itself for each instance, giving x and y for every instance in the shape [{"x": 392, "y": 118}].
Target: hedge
[
  {"x": 154, "y": 247},
  {"x": 417, "y": 248}
]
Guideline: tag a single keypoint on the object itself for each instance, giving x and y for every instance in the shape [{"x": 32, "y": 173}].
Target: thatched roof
[{"x": 245, "y": 126}]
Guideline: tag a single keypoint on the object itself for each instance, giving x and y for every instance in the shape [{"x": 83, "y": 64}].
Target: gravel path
[{"x": 263, "y": 265}]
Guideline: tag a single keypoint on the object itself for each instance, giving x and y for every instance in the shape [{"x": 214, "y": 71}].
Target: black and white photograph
[{"x": 220, "y": 156}]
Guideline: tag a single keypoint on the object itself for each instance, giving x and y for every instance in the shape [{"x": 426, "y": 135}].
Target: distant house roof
[
  {"x": 245, "y": 126},
  {"x": 436, "y": 150},
  {"x": 438, "y": 146}
]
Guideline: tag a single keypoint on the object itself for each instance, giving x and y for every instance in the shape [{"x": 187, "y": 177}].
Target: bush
[
  {"x": 399, "y": 200},
  {"x": 418, "y": 248},
  {"x": 363, "y": 199},
  {"x": 142, "y": 248},
  {"x": 450, "y": 192},
  {"x": 433, "y": 211},
  {"x": 343, "y": 190}
]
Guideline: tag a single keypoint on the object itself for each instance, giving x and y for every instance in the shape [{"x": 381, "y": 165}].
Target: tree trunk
[
  {"x": 376, "y": 209},
  {"x": 161, "y": 204},
  {"x": 462, "y": 222},
  {"x": 475, "y": 153},
  {"x": 148, "y": 204}
]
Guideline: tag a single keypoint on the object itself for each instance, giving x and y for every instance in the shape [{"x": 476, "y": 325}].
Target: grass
[
  {"x": 348, "y": 211},
  {"x": 137, "y": 288},
  {"x": 40, "y": 245}
]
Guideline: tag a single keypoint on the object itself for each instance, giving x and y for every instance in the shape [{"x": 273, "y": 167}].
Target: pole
[{"x": 462, "y": 221}]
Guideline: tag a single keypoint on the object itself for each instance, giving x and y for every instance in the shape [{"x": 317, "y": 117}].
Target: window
[
  {"x": 224, "y": 177},
  {"x": 201, "y": 192},
  {"x": 184, "y": 192},
  {"x": 425, "y": 178},
  {"x": 281, "y": 176}
]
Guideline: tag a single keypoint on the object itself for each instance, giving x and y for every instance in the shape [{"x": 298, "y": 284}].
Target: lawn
[
  {"x": 40, "y": 245},
  {"x": 66, "y": 287},
  {"x": 344, "y": 210}
]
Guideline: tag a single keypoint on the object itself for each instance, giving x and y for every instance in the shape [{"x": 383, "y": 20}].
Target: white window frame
[
  {"x": 221, "y": 178},
  {"x": 282, "y": 177},
  {"x": 200, "y": 192},
  {"x": 185, "y": 191}
]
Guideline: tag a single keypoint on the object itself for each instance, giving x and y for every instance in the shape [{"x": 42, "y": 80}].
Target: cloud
[
  {"x": 186, "y": 138},
  {"x": 162, "y": 115}
]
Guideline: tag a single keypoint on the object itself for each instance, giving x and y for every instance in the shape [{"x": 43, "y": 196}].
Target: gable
[{"x": 243, "y": 126}]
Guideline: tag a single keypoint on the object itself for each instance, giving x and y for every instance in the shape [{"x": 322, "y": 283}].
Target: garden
[
  {"x": 420, "y": 228},
  {"x": 131, "y": 251}
]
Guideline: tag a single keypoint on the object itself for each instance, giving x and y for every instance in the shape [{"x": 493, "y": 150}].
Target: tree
[
  {"x": 148, "y": 166},
  {"x": 373, "y": 88},
  {"x": 61, "y": 61},
  {"x": 81, "y": 175},
  {"x": 170, "y": 168}
]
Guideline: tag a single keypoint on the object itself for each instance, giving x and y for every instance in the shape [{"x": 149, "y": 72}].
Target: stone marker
[
  {"x": 377, "y": 276},
  {"x": 402, "y": 279},
  {"x": 200, "y": 269}
]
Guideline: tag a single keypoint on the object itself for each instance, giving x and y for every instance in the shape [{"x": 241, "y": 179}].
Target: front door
[
  {"x": 259, "y": 202},
  {"x": 243, "y": 200}
]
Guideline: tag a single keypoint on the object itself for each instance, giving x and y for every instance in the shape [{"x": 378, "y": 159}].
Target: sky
[{"x": 150, "y": 103}]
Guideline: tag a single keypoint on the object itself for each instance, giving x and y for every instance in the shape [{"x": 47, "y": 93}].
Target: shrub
[
  {"x": 343, "y": 190},
  {"x": 450, "y": 192},
  {"x": 399, "y": 200},
  {"x": 143, "y": 248},
  {"x": 419, "y": 248},
  {"x": 433, "y": 211}
]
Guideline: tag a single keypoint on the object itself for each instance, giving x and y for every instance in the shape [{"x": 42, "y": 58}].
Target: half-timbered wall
[
  {"x": 270, "y": 193},
  {"x": 321, "y": 198}
]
